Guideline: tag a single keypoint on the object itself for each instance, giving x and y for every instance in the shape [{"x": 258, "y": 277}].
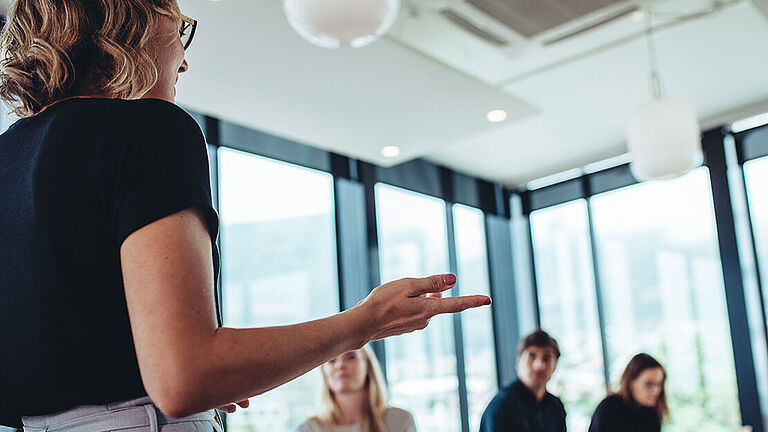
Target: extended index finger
[{"x": 459, "y": 304}]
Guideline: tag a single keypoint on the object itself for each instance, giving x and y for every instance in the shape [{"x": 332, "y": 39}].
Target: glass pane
[
  {"x": 278, "y": 267},
  {"x": 421, "y": 366},
  {"x": 663, "y": 292},
  {"x": 756, "y": 173},
  {"x": 568, "y": 307},
  {"x": 477, "y": 324}
]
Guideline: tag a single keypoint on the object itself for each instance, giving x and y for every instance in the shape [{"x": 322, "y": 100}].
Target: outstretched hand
[{"x": 406, "y": 305}]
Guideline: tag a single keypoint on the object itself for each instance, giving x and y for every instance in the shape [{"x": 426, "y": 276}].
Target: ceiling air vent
[
  {"x": 592, "y": 24},
  {"x": 485, "y": 34},
  {"x": 533, "y": 17}
]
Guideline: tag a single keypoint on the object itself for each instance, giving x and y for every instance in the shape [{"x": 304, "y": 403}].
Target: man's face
[{"x": 535, "y": 366}]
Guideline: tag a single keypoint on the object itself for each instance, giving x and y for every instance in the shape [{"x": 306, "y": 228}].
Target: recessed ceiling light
[
  {"x": 497, "y": 115},
  {"x": 390, "y": 151}
]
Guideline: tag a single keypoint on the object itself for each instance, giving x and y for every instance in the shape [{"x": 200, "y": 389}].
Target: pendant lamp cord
[{"x": 655, "y": 78}]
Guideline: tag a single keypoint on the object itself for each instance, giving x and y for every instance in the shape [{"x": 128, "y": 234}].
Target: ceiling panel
[{"x": 533, "y": 17}]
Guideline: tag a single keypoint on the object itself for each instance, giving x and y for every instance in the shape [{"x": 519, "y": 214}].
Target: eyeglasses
[{"x": 187, "y": 30}]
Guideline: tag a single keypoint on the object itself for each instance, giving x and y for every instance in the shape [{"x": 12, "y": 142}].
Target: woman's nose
[{"x": 184, "y": 66}]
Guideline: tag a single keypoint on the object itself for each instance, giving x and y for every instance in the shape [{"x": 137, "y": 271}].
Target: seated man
[{"x": 525, "y": 405}]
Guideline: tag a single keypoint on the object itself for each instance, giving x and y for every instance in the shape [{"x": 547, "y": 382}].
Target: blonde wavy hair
[
  {"x": 53, "y": 49},
  {"x": 376, "y": 402}
]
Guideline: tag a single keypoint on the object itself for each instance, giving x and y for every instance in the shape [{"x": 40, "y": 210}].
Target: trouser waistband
[{"x": 137, "y": 413}]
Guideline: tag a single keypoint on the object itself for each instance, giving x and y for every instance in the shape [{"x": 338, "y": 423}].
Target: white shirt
[{"x": 395, "y": 420}]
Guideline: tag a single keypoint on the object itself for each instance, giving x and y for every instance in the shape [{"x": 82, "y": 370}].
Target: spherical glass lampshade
[
  {"x": 339, "y": 23},
  {"x": 664, "y": 138}
]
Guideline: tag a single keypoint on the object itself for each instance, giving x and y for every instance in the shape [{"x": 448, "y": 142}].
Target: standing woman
[
  {"x": 354, "y": 398},
  {"x": 641, "y": 403},
  {"x": 107, "y": 238}
]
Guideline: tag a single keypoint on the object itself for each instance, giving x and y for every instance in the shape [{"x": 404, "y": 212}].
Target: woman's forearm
[{"x": 236, "y": 364}]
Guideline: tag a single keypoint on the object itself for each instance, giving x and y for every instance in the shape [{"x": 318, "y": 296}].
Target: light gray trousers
[{"x": 138, "y": 415}]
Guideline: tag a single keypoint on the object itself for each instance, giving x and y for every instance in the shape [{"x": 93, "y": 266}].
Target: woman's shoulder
[
  {"x": 613, "y": 399},
  {"x": 137, "y": 116},
  {"x": 147, "y": 122},
  {"x": 155, "y": 110},
  {"x": 396, "y": 417},
  {"x": 609, "y": 415},
  {"x": 397, "y": 412},
  {"x": 108, "y": 105},
  {"x": 311, "y": 425},
  {"x": 612, "y": 403}
]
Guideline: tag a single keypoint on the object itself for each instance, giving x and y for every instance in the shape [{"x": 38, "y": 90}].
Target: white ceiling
[
  {"x": 719, "y": 64},
  {"x": 568, "y": 103},
  {"x": 248, "y": 66}
]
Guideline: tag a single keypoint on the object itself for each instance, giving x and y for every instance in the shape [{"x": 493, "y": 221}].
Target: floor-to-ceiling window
[
  {"x": 477, "y": 325},
  {"x": 568, "y": 306},
  {"x": 278, "y": 266},
  {"x": 756, "y": 175},
  {"x": 756, "y": 178},
  {"x": 421, "y": 366},
  {"x": 662, "y": 288}
]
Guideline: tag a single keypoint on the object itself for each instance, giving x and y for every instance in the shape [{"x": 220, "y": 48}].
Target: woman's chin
[{"x": 347, "y": 389}]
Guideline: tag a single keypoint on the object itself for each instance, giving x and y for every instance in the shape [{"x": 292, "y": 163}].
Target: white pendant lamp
[
  {"x": 663, "y": 136},
  {"x": 341, "y": 23}
]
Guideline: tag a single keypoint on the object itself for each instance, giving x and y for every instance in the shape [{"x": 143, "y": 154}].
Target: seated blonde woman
[{"x": 354, "y": 399}]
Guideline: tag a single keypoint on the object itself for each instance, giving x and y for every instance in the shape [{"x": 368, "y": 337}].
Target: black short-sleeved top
[
  {"x": 515, "y": 409},
  {"x": 614, "y": 414},
  {"x": 75, "y": 181}
]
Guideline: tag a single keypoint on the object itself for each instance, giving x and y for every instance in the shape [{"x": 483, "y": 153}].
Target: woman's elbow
[
  {"x": 173, "y": 408},
  {"x": 175, "y": 392}
]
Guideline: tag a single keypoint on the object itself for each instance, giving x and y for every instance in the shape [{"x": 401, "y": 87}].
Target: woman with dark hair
[
  {"x": 108, "y": 258},
  {"x": 641, "y": 402}
]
